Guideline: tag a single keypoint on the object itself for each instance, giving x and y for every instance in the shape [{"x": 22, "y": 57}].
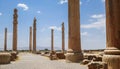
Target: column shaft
[
  {"x": 63, "y": 38},
  {"x": 112, "y": 52},
  {"x": 30, "y": 39},
  {"x": 74, "y": 43},
  {"x": 5, "y": 40},
  {"x": 52, "y": 40},
  {"x": 15, "y": 22},
  {"x": 34, "y": 35}
]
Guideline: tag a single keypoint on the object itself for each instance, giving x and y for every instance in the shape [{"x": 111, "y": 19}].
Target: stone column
[
  {"x": 15, "y": 23},
  {"x": 63, "y": 38},
  {"x": 30, "y": 39},
  {"x": 5, "y": 40},
  {"x": 52, "y": 40},
  {"x": 112, "y": 52},
  {"x": 74, "y": 53},
  {"x": 34, "y": 35}
]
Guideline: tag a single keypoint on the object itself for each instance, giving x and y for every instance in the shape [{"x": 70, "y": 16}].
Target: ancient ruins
[
  {"x": 74, "y": 52},
  {"x": 5, "y": 40},
  {"x": 34, "y": 35},
  {"x": 15, "y": 23},
  {"x": 92, "y": 59},
  {"x": 30, "y": 40}
]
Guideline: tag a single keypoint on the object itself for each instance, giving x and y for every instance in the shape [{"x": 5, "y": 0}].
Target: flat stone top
[{"x": 32, "y": 61}]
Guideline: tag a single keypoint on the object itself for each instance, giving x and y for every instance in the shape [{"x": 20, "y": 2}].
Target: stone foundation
[
  {"x": 74, "y": 57},
  {"x": 113, "y": 61}
]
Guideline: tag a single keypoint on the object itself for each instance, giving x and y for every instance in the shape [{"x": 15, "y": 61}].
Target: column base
[
  {"x": 74, "y": 57},
  {"x": 113, "y": 61}
]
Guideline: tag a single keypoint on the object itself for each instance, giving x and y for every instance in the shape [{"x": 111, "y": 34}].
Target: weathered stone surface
[
  {"x": 13, "y": 55},
  {"x": 5, "y": 58},
  {"x": 53, "y": 55},
  {"x": 60, "y": 55},
  {"x": 15, "y": 23},
  {"x": 74, "y": 57},
  {"x": 97, "y": 65},
  {"x": 5, "y": 40},
  {"x": 85, "y": 61},
  {"x": 98, "y": 58},
  {"x": 63, "y": 38},
  {"x": 74, "y": 53},
  {"x": 112, "y": 52},
  {"x": 34, "y": 35},
  {"x": 30, "y": 40},
  {"x": 52, "y": 40}
]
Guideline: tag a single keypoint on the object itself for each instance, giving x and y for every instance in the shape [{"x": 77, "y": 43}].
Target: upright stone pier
[
  {"x": 34, "y": 35},
  {"x": 5, "y": 40},
  {"x": 74, "y": 52},
  {"x": 52, "y": 40},
  {"x": 30, "y": 40},
  {"x": 15, "y": 23},
  {"x": 112, "y": 52},
  {"x": 63, "y": 38}
]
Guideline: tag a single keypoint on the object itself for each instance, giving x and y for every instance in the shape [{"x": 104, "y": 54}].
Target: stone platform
[{"x": 32, "y": 61}]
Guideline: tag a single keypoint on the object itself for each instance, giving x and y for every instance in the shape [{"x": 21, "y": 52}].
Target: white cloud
[
  {"x": 24, "y": 6},
  {"x": 55, "y": 28},
  {"x": 66, "y": 1},
  {"x": 63, "y": 1},
  {"x": 38, "y": 12},
  {"x": 103, "y": 0},
  {"x": 84, "y": 33},
  {"x": 98, "y": 16},
  {"x": 0, "y": 13},
  {"x": 99, "y": 22}
]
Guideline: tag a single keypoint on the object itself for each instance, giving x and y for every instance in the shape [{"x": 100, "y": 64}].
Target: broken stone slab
[
  {"x": 85, "y": 61},
  {"x": 13, "y": 55},
  {"x": 97, "y": 65},
  {"x": 60, "y": 55}
]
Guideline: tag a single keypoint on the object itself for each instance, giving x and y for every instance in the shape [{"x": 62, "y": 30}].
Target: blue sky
[{"x": 51, "y": 14}]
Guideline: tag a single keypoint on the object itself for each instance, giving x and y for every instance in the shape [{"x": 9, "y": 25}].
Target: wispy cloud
[
  {"x": 84, "y": 33},
  {"x": 65, "y": 1},
  {"x": 103, "y": 0},
  {"x": 24, "y": 6},
  {"x": 55, "y": 28},
  {"x": 98, "y": 16},
  {"x": 98, "y": 22},
  {"x": 0, "y": 13},
  {"x": 38, "y": 12}
]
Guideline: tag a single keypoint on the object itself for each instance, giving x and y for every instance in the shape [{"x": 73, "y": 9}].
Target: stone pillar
[
  {"x": 63, "y": 38},
  {"x": 15, "y": 23},
  {"x": 5, "y": 40},
  {"x": 74, "y": 53},
  {"x": 112, "y": 52},
  {"x": 34, "y": 35},
  {"x": 52, "y": 40},
  {"x": 30, "y": 40}
]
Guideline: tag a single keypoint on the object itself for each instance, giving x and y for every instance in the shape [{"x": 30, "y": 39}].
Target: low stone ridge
[{"x": 5, "y": 58}]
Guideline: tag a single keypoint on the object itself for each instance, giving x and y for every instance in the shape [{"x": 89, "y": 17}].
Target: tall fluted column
[
  {"x": 15, "y": 23},
  {"x": 112, "y": 52},
  {"x": 34, "y": 35},
  {"x": 74, "y": 53},
  {"x": 63, "y": 38},
  {"x": 5, "y": 40},
  {"x": 30, "y": 39},
  {"x": 52, "y": 40}
]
